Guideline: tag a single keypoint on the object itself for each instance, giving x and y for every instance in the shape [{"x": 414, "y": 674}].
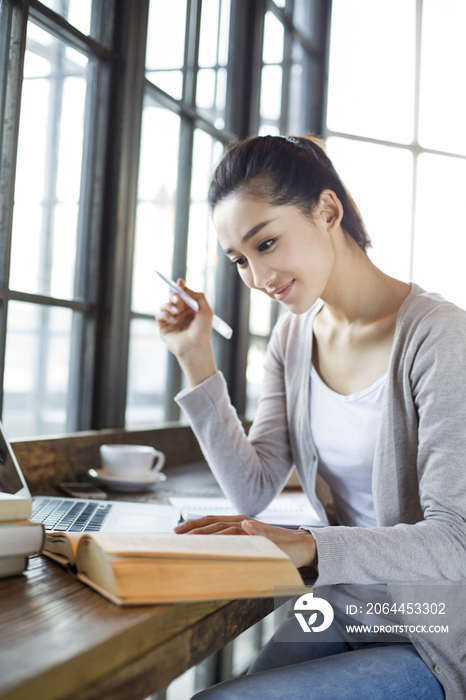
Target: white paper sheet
[{"x": 290, "y": 510}]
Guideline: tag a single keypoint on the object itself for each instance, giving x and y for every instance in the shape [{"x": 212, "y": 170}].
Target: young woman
[{"x": 365, "y": 387}]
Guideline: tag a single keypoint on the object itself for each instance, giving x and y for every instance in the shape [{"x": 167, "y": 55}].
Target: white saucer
[{"x": 125, "y": 483}]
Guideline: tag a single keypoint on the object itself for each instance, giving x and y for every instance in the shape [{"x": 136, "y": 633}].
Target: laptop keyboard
[{"x": 70, "y": 516}]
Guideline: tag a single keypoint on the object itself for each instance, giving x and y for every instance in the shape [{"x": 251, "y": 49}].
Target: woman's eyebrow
[{"x": 255, "y": 229}]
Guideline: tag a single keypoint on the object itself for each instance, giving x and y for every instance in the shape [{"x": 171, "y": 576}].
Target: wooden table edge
[{"x": 101, "y": 673}]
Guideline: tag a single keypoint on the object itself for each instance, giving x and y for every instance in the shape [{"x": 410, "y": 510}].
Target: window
[
  {"x": 395, "y": 133},
  {"x": 77, "y": 12},
  {"x": 182, "y": 139},
  {"x": 192, "y": 91},
  {"x": 113, "y": 117},
  {"x": 154, "y": 245},
  {"x": 49, "y": 235}
]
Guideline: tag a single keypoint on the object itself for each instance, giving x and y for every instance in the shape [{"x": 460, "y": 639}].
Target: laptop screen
[{"x": 11, "y": 478}]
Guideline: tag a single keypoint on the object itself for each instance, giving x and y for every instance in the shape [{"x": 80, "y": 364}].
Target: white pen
[{"x": 217, "y": 323}]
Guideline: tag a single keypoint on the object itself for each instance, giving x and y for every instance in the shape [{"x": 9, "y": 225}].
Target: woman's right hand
[{"x": 188, "y": 333}]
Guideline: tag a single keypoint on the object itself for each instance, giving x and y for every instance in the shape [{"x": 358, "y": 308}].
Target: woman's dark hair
[{"x": 285, "y": 170}]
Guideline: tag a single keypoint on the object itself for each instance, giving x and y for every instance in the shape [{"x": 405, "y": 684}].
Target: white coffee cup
[{"x": 130, "y": 460}]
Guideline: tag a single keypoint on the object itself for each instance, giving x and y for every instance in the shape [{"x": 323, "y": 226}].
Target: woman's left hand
[{"x": 299, "y": 545}]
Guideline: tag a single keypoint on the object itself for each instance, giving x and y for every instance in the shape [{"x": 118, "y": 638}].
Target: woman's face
[{"x": 276, "y": 249}]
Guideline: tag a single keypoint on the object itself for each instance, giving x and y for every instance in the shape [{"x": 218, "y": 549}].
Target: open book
[{"x": 137, "y": 569}]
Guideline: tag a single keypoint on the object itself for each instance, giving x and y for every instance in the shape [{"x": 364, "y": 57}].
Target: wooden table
[{"x": 59, "y": 639}]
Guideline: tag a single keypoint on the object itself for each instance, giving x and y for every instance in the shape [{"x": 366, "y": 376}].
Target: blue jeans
[{"x": 332, "y": 670}]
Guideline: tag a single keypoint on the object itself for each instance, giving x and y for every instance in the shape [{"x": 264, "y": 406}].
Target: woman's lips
[{"x": 283, "y": 292}]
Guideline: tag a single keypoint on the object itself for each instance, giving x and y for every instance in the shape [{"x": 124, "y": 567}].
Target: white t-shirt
[{"x": 345, "y": 430}]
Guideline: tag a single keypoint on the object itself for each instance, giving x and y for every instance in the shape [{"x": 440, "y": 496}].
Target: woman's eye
[
  {"x": 265, "y": 245},
  {"x": 262, "y": 247},
  {"x": 240, "y": 262}
]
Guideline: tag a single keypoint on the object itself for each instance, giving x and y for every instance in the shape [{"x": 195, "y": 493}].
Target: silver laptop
[{"x": 80, "y": 514}]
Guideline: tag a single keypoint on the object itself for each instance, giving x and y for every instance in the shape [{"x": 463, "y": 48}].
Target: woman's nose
[{"x": 262, "y": 276}]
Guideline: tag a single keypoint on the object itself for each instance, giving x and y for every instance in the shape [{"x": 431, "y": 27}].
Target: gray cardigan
[{"x": 419, "y": 475}]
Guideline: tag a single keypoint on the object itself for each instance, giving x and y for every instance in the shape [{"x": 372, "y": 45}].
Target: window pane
[
  {"x": 48, "y": 174},
  {"x": 224, "y": 32},
  {"x": 371, "y": 80},
  {"x": 440, "y": 226},
  {"x": 273, "y": 39},
  {"x": 211, "y": 95},
  {"x": 208, "y": 44},
  {"x": 202, "y": 240},
  {"x": 76, "y": 12},
  {"x": 205, "y": 98},
  {"x": 202, "y": 251},
  {"x": 271, "y": 92},
  {"x": 269, "y": 130},
  {"x": 146, "y": 374},
  {"x": 158, "y": 169},
  {"x": 213, "y": 57},
  {"x": 380, "y": 181},
  {"x": 299, "y": 89},
  {"x": 442, "y": 114},
  {"x": 165, "y": 45},
  {"x": 304, "y": 16},
  {"x": 37, "y": 370}
]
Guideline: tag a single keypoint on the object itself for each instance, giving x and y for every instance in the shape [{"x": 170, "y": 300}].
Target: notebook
[
  {"x": 286, "y": 510},
  {"x": 80, "y": 514}
]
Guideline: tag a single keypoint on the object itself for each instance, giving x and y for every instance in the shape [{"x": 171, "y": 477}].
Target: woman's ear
[{"x": 331, "y": 209}]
